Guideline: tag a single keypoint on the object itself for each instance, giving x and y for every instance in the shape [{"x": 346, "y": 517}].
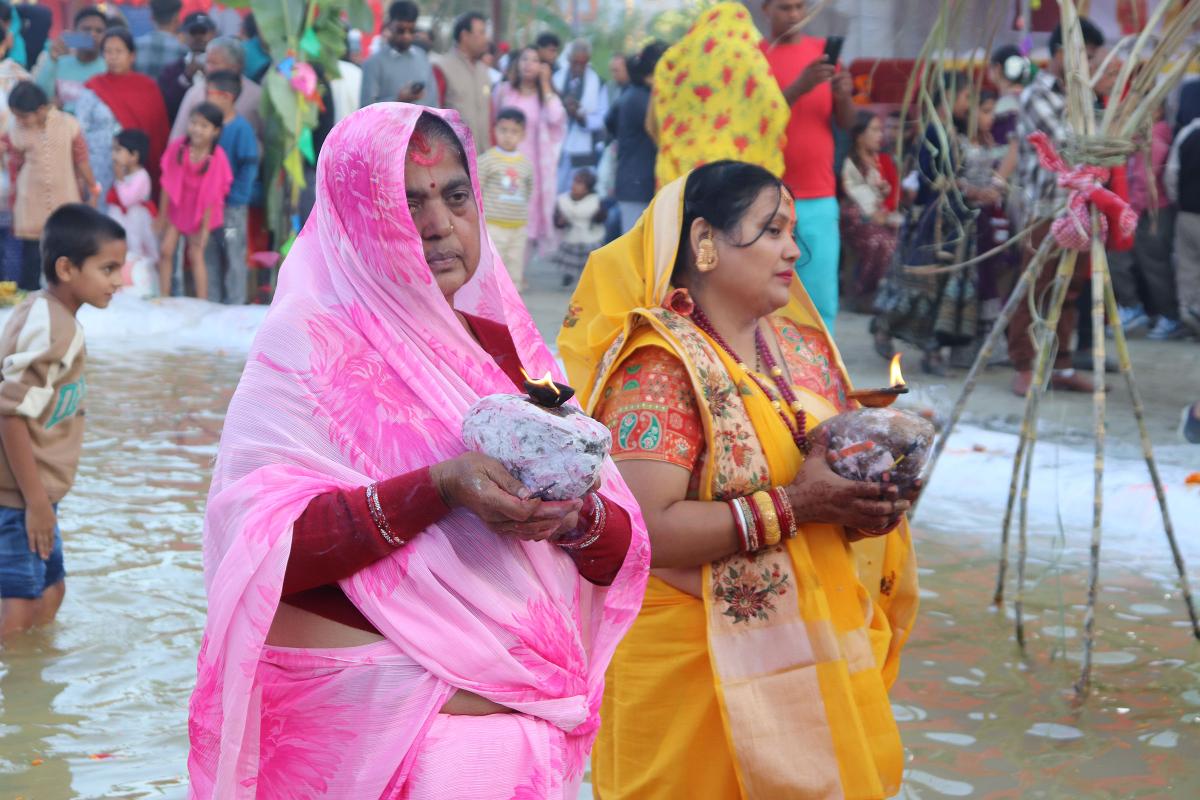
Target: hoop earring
[{"x": 706, "y": 254}]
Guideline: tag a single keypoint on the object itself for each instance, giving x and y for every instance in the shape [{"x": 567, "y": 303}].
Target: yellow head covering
[
  {"x": 715, "y": 98},
  {"x": 635, "y": 272}
]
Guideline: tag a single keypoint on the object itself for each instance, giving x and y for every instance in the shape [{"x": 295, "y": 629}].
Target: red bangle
[
  {"x": 783, "y": 509},
  {"x": 755, "y": 537},
  {"x": 593, "y": 531}
]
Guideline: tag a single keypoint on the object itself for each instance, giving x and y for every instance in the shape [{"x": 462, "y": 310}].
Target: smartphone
[
  {"x": 418, "y": 87},
  {"x": 78, "y": 40},
  {"x": 833, "y": 48}
]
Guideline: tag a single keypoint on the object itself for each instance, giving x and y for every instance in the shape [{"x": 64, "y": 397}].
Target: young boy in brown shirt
[{"x": 42, "y": 391}]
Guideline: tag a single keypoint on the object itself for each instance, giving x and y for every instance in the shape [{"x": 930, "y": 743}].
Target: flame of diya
[
  {"x": 545, "y": 392},
  {"x": 881, "y": 398}
]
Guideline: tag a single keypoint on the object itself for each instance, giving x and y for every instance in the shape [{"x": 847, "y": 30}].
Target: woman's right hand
[
  {"x": 482, "y": 485},
  {"x": 818, "y": 494}
]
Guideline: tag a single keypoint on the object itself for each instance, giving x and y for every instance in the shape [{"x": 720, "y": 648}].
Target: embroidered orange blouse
[{"x": 650, "y": 406}]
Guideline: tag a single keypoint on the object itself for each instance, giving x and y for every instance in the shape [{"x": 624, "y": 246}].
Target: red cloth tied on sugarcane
[{"x": 1072, "y": 229}]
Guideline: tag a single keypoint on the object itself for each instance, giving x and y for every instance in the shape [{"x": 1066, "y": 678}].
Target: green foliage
[
  {"x": 359, "y": 15},
  {"x": 279, "y": 23},
  {"x": 311, "y": 32}
]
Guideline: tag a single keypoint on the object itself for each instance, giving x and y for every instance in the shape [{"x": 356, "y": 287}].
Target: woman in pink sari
[{"x": 388, "y": 615}]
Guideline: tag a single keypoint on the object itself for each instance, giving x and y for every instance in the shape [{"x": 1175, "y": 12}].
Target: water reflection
[
  {"x": 981, "y": 720},
  {"x": 100, "y": 698}
]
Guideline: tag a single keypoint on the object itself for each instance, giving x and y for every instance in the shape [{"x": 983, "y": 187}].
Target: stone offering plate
[
  {"x": 556, "y": 452},
  {"x": 867, "y": 442}
]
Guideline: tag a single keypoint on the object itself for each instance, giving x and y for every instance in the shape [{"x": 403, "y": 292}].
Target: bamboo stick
[
  {"x": 1099, "y": 271},
  {"x": 933, "y": 269},
  {"x": 1047, "y": 348},
  {"x": 1023, "y": 534},
  {"x": 1139, "y": 414},
  {"x": 1142, "y": 83},
  {"x": 1127, "y": 68}
]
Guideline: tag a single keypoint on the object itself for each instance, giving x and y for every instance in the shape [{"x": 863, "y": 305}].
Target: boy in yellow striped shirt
[{"x": 506, "y": 180}]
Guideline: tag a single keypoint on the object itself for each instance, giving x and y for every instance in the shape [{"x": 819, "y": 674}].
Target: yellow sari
[
  {"x": 701, "y": 699},
  {"x": 714, "y": 97}
]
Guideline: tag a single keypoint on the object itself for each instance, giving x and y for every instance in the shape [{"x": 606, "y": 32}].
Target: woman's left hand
[
  {"x": 854, "y": 534},
  {"x": 482, "y": 485}
]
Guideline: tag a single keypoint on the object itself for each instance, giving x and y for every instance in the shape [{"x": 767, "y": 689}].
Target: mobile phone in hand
[
  {"x": 417, "y": 87},
  {"x": 833, "y": 48},
  {"x": 78, "y": 40}
]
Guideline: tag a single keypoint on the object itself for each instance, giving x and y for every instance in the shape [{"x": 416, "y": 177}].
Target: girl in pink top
[
  {"x": 195, "y": 180},
  {"x": 130, "y": 202}
]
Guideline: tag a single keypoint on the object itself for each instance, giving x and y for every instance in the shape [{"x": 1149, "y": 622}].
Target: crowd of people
[
  {"x": 580, "y": 157},
  {"x": 973, "y": 181},
  {"x": 167, "y": 127}
]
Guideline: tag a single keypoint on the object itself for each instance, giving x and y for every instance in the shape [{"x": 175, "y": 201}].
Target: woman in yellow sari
[
  {"x": 714, "y": 97},
  {"x": 760, "y": 662}
]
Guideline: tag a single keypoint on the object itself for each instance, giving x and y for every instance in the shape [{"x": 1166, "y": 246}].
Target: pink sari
[{"x": 361, "y": 371}]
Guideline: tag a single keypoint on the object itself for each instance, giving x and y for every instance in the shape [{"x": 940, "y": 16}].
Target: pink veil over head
[{"x": 361, "y": 371}]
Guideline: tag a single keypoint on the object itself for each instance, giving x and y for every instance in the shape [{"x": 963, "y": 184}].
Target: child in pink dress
[
  {"x": 130, "y": 203},
  {"x": 195, "y": 180}
]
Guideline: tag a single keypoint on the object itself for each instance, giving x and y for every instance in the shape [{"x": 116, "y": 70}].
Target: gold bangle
[{"x": 766, "y": 510}]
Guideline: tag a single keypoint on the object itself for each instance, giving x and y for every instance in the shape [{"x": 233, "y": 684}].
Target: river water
[{"x": 95, "y": 705}]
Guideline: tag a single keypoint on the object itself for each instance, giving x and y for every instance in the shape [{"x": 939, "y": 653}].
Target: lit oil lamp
[
  {"x": 545, "y": 392},
  {"x": 556, "y": 451},
  {"x": 882, "y": 398}
]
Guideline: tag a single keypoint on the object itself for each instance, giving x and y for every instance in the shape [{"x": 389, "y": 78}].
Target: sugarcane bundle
[{"x": 1154, "y": 62}]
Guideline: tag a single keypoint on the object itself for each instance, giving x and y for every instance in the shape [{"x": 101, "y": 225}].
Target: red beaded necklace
[{"x": 799, "y": 429}]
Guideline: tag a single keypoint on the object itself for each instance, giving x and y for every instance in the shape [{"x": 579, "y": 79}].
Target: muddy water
[{"x": 95, "y": 706}]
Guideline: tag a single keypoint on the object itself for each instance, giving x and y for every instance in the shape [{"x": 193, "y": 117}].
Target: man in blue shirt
[{"x": 225, "y": 257}]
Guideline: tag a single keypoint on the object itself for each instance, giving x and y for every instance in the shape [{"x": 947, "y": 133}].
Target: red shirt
[{"x": 808, "y": 157}]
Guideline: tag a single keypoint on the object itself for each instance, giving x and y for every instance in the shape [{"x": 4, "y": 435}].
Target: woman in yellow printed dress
[
  {"x": 781, "y": 593},
  {"x": 713, "y": 97}
]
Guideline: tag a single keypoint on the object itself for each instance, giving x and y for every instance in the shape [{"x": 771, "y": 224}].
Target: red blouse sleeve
[
  {"x": 601, "y": 561},
  {"x": 336, "y": 535}
]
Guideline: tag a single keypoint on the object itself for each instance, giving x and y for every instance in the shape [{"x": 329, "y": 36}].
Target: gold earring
[{"x": 706, "y": 254}]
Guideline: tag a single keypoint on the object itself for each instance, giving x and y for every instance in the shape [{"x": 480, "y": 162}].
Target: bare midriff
[{"x": 295, "y": 627}]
